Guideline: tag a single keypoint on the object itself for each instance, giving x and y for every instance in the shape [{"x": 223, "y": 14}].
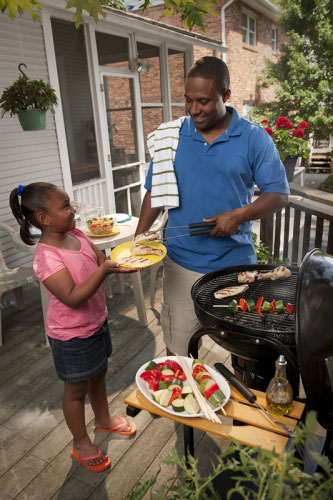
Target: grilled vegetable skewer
[{"x": 262, "y": 306}]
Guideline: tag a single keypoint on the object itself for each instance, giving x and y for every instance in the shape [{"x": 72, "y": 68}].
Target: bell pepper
[
  {"x": 279, "y": 307},
  {"x": 233, "y": 306},
  {"x": 197, "y": 369},
  {"x": 210, "y": 390},
  {"x": 290, "y": 308},
  {"x": 273, "y": 307},
  {"x": 175, "y": 367},
  {"x": 259, "y": 304},
  {"x": 153, "y": 384},
  {"x": 243, "y": 305},
  {"x": 154, "y": 373},
  {"x": 176, "y": 394},
  {"x": 251, "y": 305}
]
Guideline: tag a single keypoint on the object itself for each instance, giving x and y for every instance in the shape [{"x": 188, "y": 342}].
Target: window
[
  {"x": 274, "y": 38},
  {"x": 249, "y": 29}
]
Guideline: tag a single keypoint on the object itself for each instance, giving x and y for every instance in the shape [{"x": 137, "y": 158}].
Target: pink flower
[
  {"x": 269, "y": 130},
  {"x": 298, "y": 133},
  {"x": 283, "y": 122},
  {"x": 303, "y": 125},
  {"x": 266, "y": 121}
]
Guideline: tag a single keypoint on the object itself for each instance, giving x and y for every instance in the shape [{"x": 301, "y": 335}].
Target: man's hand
[{"x": 226, "y": 223}]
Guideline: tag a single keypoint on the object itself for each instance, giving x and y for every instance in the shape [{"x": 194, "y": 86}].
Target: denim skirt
[{"x": 80, "y": 359}]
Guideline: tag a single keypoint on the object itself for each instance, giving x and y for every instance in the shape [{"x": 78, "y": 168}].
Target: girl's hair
[
  {"x": 211, "y": 68},
  {"x": 33, "y": 199}
]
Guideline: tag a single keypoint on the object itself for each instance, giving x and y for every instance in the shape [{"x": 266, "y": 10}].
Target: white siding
[{"x": 24, "y": 156}]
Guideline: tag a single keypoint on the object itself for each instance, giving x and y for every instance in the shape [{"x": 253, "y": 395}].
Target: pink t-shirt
[{"x": 63, "y": 322}]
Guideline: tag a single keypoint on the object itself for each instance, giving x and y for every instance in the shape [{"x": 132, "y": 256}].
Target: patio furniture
[
  {"x": 13, "y": 279},
  {"x": 258, "y": 431}
]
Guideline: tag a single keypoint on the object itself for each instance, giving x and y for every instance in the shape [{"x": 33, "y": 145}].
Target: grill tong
[{"x": 193, "y": 225}]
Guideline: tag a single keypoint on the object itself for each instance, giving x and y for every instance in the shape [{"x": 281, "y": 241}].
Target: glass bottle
[{"x": 279, "y": 394}]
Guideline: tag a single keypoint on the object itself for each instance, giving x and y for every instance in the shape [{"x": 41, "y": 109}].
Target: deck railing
[{"x": 300, "y": 226}]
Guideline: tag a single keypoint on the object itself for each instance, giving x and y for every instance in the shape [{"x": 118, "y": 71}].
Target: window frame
[
  {"x": 249, "y": 15},
  {"x": 274, "y": 39}
]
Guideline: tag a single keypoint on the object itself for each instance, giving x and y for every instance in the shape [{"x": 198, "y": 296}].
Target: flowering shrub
[{"x": 289, "y": 141}]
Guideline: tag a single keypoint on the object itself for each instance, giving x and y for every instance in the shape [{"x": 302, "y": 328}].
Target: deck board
[{"x": 35, "y": 443}]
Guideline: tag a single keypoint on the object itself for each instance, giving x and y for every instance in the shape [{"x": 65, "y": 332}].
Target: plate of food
[
  {"x": 114, "y": 230},
  {"x": 128, "y": 254},
  {"x": 163, "y": 382},
  {"x": 119, "y": 218},
  {"x": 101, "y": 226}
]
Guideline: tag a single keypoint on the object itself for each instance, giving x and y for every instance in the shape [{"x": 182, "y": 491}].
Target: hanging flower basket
[{"x": 32, "y": 119}]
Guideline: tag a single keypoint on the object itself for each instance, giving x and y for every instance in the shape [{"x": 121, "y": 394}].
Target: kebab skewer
[{"x": 261, "y": 306}]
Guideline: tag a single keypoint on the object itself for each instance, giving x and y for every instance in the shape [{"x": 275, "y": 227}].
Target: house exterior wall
[
  {"x": 244, "y": 62},
  {"x": 25, "y": 157}
]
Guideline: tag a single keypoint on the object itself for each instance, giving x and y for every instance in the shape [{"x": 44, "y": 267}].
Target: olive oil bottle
[{"x": 279, "y": 394}]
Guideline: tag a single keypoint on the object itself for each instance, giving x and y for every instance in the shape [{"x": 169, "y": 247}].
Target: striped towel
[{"x": 162, "y": 145}]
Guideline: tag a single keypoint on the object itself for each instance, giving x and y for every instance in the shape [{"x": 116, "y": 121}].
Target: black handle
[
  {"x": 236, "y": 383},
  {"x": 201, "y": 224},
  {"x": 199, "y": 233}
]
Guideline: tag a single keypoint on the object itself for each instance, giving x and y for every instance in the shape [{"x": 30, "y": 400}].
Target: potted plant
[
  {"x": 29, "y": 99},
  {"x": 256, "y": 475},
  {"x": 291, "y": 142}
]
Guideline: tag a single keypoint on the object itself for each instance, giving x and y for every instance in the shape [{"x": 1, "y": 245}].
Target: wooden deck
[{"x": 35, "y": 443}]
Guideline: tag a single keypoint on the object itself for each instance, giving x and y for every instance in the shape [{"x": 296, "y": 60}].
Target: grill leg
[{"x": 188, "y": 441}]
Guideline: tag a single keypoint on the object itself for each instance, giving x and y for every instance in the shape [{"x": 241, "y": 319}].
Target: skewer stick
[
  {"x": 220, "y": 407},
  {"x": 206, "y": 409}
]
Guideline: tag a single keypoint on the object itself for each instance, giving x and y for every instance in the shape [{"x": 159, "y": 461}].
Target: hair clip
[{"x": 20, "y": 190}]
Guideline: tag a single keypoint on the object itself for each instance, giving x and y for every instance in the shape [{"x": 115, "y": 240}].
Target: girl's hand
[{"x": 110, "y": 266}]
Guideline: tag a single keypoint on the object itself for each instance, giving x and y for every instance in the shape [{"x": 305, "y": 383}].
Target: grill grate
[{"x": 281, "y": 327}]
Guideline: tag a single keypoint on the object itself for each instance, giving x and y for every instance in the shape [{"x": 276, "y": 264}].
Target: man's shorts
[{"x": 179, "y": 321}]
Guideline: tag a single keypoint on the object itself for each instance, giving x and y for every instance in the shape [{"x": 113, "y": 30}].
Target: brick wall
[{"x": 244, "y": 62}]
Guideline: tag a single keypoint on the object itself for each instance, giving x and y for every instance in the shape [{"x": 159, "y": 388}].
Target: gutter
[{"x": 224, "y": 55}]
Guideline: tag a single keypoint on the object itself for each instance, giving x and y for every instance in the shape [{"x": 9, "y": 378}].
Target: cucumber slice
[
  {"x": 196, "y": 362},
  {"x": 173, "y": 386},
  {"x": 166, "y": 370},
  {"x": 157, "y": 394},
  {"x": 186, "y": 391},
  {"x": 178, "y": 405},
  {"x": 163, "y": 385},
  {"x": 216, "y": 398},
  {"x": 204, "y": 382},
  {"x": 165, "y": 398},
  {"x": 199, "y": 375},
  {"x": 151, "y": 365},
  {"x": 177, "y": 382},
  {"x": 190, "y": 405}
]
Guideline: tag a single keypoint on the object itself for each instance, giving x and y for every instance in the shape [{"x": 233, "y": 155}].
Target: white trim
[
  {"x": 165, "y": 82},
  {"x": 58, "y": 116}
]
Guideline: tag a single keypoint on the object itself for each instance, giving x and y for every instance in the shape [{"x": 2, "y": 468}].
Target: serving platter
[
  {"x": 119, "y": 218},
  {"x": 114, "y": 231},
  {"x": 219, "y": 379},
  {"x": 115, "y": 253}
]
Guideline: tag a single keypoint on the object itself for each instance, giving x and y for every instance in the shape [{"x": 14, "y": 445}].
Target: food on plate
[
  {"x": 262, "y": 306},
  {"x": 247, "y": 276},
  {"x": 230, "y": 290},
  {"x": 147, "y": 236},
  {"x": 100, "y": 225},
  {"x": 142, "y": 249},
  {"x": 127, "y": 259},
  {"x": 279, "y": 273},
  {"x": 208, "y": 386}
]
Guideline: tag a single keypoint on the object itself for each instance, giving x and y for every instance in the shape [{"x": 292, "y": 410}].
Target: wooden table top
[{"x": 260, "y": 431}]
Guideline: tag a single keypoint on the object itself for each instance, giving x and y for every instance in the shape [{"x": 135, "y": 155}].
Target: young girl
[{"x": 73, "y": 270}]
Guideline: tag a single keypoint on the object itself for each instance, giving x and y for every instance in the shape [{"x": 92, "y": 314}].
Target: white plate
[
  {"x": 120, "y": 217},
  {"x": 143, "y": 386}
]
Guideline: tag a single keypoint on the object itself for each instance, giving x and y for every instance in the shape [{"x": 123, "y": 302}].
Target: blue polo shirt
[{"x": 215, "y": 178}]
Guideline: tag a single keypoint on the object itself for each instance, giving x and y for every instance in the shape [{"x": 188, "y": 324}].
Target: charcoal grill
[
  {"x": 304, "y": 338},
  {"x": 249, "y": 337}
]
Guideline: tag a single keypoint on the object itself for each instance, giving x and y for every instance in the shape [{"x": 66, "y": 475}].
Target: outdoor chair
[{"x": 13, "y": 279}]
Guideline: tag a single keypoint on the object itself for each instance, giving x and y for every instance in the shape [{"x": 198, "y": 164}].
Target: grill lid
[{"x": 314, "y": 337}]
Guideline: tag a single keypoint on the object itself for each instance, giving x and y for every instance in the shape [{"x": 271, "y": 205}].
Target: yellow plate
[
  {"x": 126, "y": 246},
  {"x": 115, "y": 230}
]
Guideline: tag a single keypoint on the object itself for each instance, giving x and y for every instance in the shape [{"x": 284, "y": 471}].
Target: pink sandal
[{"x": 131, "y": 432}]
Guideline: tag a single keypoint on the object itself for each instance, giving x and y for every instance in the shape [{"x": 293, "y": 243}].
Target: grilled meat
[
  {"x": 247, "y": 277},
  {"x": 230, "y": 291},
  {"x": 279, "y": 273}
]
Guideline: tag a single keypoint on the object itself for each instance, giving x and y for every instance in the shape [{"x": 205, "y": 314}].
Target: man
[{"x": 219, "y": 158}]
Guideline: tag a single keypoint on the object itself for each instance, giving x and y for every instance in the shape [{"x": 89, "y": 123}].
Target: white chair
[{"x": 13, "y": 279}]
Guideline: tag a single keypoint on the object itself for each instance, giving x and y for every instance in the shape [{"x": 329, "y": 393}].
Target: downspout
[{"x": 224, "y": 54}]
